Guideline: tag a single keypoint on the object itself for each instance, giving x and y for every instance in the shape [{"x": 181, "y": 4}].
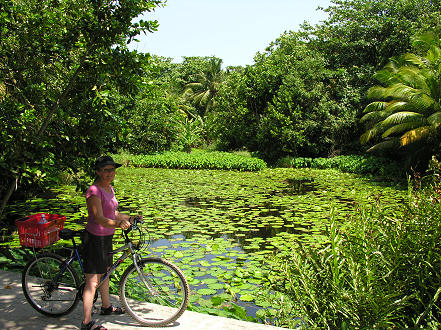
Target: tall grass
[{"x": 379, "y": 271}]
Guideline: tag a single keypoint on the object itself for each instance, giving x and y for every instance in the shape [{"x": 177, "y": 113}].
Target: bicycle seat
[{"x": 69, "y": 233}]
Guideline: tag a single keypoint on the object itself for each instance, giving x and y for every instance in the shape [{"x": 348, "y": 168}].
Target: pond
[{"x": 219, "y": 227}]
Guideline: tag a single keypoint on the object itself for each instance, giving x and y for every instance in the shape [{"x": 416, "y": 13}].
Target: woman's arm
[{"x": 94, "y": 205}]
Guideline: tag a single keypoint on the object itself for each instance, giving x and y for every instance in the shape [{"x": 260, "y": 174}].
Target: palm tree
[
  {"x": 407, "y": 113},
  {"x": 203, "y": 91}
]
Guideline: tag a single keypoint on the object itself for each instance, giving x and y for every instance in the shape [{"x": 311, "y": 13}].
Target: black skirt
[{"x": 96, "y": 253}]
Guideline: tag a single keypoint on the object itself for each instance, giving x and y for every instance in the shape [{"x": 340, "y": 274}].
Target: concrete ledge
[{"x": 18, "y": 314}]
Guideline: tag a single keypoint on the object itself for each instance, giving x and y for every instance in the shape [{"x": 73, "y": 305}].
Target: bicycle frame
[
  {"x": 128, "y": 251},
  {"x": 74, "y": 255}
]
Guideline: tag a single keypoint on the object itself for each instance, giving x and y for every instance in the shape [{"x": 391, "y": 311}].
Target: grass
[{"x": 380, "y": 271}]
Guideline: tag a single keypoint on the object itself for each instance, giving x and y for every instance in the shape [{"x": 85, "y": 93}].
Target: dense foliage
[
  {"x": 67, "y": 81},
  {"x": 71, "y": 94},
  {"x": 366, "y": 165},
  {"x": 406, "y": 113},
  {"x": 304, "y": 95},
  {"x": 285, "y": 104}
]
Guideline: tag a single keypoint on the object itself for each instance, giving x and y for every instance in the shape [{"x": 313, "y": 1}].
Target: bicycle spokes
[{"x": 156, "y": 295}]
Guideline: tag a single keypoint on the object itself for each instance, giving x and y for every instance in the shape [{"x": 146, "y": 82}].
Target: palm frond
[
  {"x": 385, "y": 109},
  {"x": 395, "y": 63},
  {"x": 386, "y": 76},
  {"x": 205, "y": 97},
  {"x": 425, "y": 40},
  {"x": 422, "y": 102},
  {"x": 412, "y": 85},
  {"x": 373, "y": 116},
  {"x": 194, "y": 85},
  {"x": 395, "y": 105},
  {"x": 434, "y": 85},
  {"x": 375, "y": 106},
  {"x": 188, "y": 92},
  {"x": 413, "y": 60},
  {"x": 415, "y": 135},
  {"x": 385, "y": 145},
  {"x": 400, "y": 91},
  {"x": 399, "y": 129},
  {"x": 435, "y": 119},
  {"x": 377, "y": 92},
  {"x": 413, "y": 77},
  {"x": 401, "y": 117},
  {"x": 434, "y": 54},
  {"x": 369, "y": 134},
  {"x": 201, "y": 97}
]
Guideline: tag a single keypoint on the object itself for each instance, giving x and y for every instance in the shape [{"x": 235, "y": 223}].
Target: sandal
[
  {"x": 112, "y": 310},
  {"x": 89, "y": 326}
]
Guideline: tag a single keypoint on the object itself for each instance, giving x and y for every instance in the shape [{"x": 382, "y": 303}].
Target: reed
[{"x": 374, "y": 271}]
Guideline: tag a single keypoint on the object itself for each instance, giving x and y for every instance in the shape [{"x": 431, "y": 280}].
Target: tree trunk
[{"x": 12, "y": 187}]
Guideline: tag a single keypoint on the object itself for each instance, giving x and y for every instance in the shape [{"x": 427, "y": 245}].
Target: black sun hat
[{"x": 105, "y": 160}]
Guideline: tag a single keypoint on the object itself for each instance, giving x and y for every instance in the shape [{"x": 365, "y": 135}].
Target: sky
[{"x": 233, "y": 30}]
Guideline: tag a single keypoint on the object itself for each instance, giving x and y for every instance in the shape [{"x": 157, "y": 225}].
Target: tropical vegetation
[
  {"x": 67, "y": 83},
  {"x": 198, "y": 159},
  {"x": 203, "y": 91},
  {"x": 366, "y": 165},
  {"x": 357, "y": 93},
  {"x": 81, "y": 91},
  {"x": 408, "y": 112},
  {"x": 380, "y": 271}
]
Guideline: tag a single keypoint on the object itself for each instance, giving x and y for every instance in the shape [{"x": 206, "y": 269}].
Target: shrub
[
  {"x": 214, "y": 160},
  {"x": 370, "y": 165}
]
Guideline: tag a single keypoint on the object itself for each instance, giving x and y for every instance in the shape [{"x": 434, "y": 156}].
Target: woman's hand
[
  {"x": 124, "y": 224},
  {"x": 132, "y": 219}
]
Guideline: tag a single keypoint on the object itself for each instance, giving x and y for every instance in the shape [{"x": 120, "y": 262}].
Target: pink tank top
[{"x": 109, "y": 205}]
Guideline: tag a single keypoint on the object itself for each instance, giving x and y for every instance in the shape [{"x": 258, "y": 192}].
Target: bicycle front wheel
[
  {"x": 156, "y": 296},
  {"x": 45, "y": 292}
]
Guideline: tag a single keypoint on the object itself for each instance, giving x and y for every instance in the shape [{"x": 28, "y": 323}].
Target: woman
[{"x": 102, "y": 220}]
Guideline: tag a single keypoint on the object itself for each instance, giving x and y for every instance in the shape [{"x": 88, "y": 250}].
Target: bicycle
[{"x": 153, "y": 291}]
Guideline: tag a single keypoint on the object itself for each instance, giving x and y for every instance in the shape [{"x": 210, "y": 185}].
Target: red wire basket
[{"x": 39, "y": 235}]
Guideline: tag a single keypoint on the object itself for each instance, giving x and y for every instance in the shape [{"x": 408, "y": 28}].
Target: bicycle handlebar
[{"x": 136, "y": 220}]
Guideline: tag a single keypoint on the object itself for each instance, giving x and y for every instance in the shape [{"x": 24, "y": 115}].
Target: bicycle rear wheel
[
  {"x": 47, "y": 295},
  {"x": 156, "y": 297}
]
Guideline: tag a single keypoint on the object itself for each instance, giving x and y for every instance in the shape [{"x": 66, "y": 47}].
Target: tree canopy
[{"x": 66, "y": 78}]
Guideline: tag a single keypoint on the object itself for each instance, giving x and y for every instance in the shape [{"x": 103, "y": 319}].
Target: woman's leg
[
  {"x": 104, "y": 292},
  {"x": 105, "y": 299},
  {"x": 108, "y": 259},
  {"x": 92, "y": 281}
]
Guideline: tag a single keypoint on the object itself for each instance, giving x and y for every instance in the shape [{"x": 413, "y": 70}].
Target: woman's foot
[
  {"x": 92, "y": 326},
  {"x": 112, "y": 310}
]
